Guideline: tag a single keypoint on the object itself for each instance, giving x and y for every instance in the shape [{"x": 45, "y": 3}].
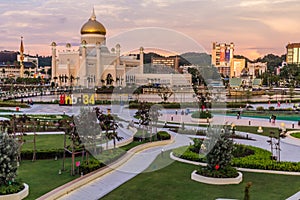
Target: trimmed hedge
[
  {"x": 101, "y": 160},
  {"x": 13, "y": 188},
  {"x": 92, "y": 165},
  {"x": 261, "y": 159},
  {"x": 43, "y": 154},
  {"x": 163, "y": 135},
  {"x": 202, "y": 114},
  {"x": 227, "y": 172},
  {"x": 145, "y": 135}
]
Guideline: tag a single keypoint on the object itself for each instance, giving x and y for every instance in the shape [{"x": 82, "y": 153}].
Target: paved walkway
[
  {"x": 135, "y": 165},
  {"x": 139, "y": 162}
]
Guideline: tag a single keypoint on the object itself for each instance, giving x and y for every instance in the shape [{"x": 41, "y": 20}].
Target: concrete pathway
[{"x": 135, "y": 165}]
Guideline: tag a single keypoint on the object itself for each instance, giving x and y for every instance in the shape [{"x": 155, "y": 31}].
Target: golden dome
[{"x": 92, "y": 26}]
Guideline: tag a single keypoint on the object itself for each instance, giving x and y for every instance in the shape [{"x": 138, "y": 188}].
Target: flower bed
[
  {"x": 261, "y": 159},
  {"x": 18, "y": 195},
  {"x": 216, "y": 181}
]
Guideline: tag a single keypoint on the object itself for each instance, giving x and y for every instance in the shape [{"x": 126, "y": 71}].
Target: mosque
[{"x": 94, "y": 65}]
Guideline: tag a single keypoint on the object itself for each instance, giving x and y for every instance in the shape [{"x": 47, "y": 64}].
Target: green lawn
[
  {"x": 173, "y": 182},
  {"x": 42, "y": 175},
  {"x": 296, "y": 135},
  {"x": 44, "y": 142},
  {"x": 280, "y": 115},
  {"x": 253, "y": 129}
]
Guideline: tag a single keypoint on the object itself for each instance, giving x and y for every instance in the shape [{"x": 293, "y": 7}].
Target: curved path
[{"x": 135, "y": 165}]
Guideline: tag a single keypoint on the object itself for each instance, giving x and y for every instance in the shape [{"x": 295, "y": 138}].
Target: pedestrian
[
  {"x": 176, "y": 112},
  {"x": 172, "y": 118},
  {"x": 270, "y": 119}
]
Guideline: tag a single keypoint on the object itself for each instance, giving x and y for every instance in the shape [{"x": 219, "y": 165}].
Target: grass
[
  {"x": 173, "y": 182},
  {"x": 253, "y": 129},
  {"x": 296, "y": 135},
  {"x": 44, "y": 142},
  {"x": 42, "y": 176},
  {"x": 264, "y": 115}
]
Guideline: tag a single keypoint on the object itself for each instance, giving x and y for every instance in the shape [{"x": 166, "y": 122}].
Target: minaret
[
  {"x": 99, "y": 69},
  {"x": 21, "y": 58},
  {"x": 83, "y": 71},
  {"x": 141, "y": 60},
  {"x": 118, "y": 52},
  {"x": 53, "y": 63}
]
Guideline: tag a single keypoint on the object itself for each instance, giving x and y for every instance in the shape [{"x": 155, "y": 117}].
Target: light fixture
[{"x": 260, "y": 130}]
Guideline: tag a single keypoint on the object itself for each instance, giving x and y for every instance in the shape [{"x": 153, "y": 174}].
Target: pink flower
[{"x": 217, "y": 167}]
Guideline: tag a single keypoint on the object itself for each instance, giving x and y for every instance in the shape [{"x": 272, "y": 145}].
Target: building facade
[
  {"x": 168, "y": 62},
  {"x": 257, "y": 69},
  {"x": 94, "y": 65},
  {"x": 293, "y": 53},
  {"x": 237, "y": 66},
  {"x": 222, "y": 57}
]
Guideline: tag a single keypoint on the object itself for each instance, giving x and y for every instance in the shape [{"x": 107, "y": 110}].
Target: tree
[
  {"x": 108, "y": 124},
  {"x": 291, "y": 92},
  {"x": 27, "y": 73},
  {"x": 113, "y": 135},
  {"x": 219, "y": 149},
  {"x": 153, "y": 118},
  {"x": 3, "y": 72},
  {"x": 8, "y": 159},
  {"x": 88, "y": 129},
  {"x": 143, "y": 115},
  {"x": 164, "y": 92}
]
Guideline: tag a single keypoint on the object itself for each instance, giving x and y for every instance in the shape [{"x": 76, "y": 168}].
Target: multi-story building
[
  {"x": 10, "y": 64},
  {"x": 293, "y": 53},
  {"x": 237, "y": 65},
  {"x": 172, "y": 62},
  {"x": 222, "y": 56},
  {"x": 257, "y": 69}
]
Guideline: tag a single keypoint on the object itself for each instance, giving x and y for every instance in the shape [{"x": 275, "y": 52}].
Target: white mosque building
[{"x": 94, "y": 65}]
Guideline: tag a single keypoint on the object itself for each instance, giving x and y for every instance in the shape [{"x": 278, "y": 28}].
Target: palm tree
[
  {"x": 27, "y": 73},
  {"x": 55, "y": 78},
  {"x": 77, "y": 79},
  {"x": 114, "y": 135},
  {"x": 3, "y": 72},
  {"x": 72, "y": 79}
]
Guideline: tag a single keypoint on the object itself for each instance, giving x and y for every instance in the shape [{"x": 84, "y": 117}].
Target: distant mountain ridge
[{"x": 201, "y": 59}]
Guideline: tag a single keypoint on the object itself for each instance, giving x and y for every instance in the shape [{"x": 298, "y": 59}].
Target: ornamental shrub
[
  {"x": 8, "y": 159},
  {"x": 163, "y": 135},
  {"x": 202, "y": 114}
]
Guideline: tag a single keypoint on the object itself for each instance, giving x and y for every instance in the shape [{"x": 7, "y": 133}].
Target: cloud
[
  {"x": 110, "y": 10},
  {"x": 15, "y": 13},
  {"x": 255, "y": 24}
]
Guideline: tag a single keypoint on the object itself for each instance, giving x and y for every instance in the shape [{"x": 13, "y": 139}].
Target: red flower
[{"x": 217, "y": 167}]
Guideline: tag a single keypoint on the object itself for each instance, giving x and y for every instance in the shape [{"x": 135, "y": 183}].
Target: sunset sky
[{"x": 257, "y": 27}]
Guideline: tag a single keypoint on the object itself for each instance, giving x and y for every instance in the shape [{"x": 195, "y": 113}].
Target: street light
[
  {"x": 260, "y": 130},
  {"x": 233, "y": 130},
  {"x": 181, "y": 94}
]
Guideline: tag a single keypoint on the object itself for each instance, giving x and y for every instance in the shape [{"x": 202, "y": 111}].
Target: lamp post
[
  {"x": 281, "y": 133},
  {"x": 181, "y": 94},
  {"x": 233, "y": 130},
  {"x": 235, "y": 95},
  {"x": 120, "y": 96}
]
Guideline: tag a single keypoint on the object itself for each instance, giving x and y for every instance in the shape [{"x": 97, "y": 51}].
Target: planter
[
  {"x": 17, "y": 196},
  {"x": 216, "y": 181},
  {"x": 201, "y": 120}
]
